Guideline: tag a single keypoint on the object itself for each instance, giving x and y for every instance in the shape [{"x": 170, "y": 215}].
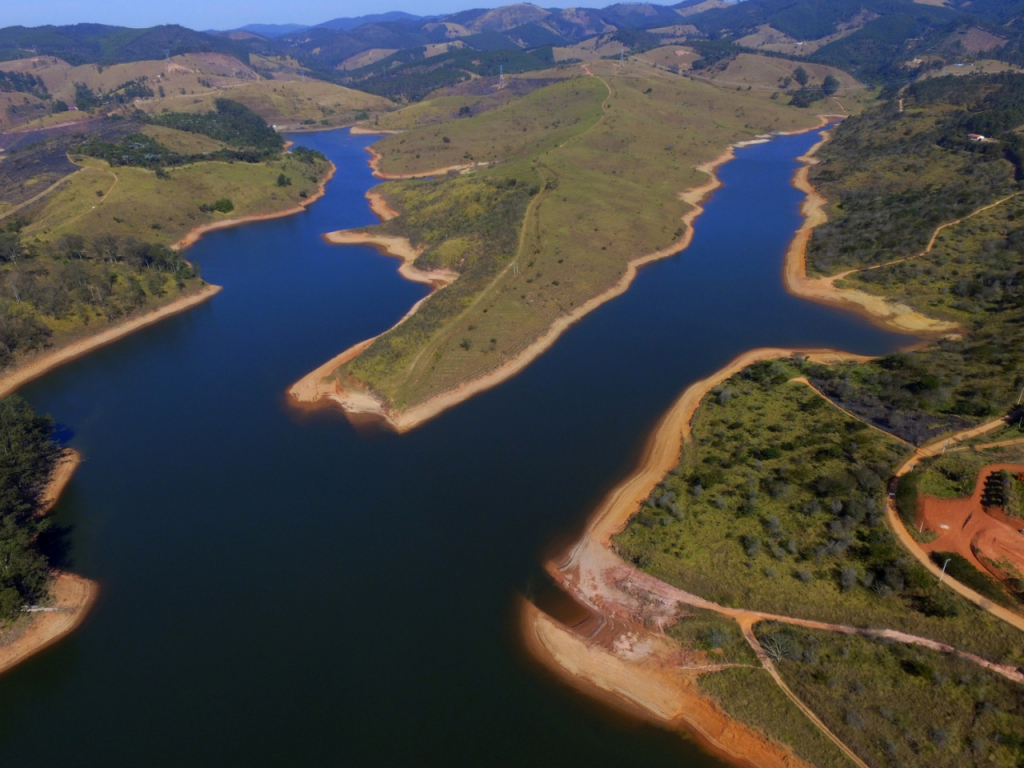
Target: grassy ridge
[
  {"x": 140, "y": 199},
  {"x": 610, "y": 168}
]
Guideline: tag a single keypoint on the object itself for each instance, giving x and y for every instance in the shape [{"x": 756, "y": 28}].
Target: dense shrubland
[{"x": 778, "y": 505}]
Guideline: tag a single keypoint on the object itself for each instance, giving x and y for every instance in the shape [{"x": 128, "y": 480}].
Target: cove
[{"x": 282, "y": 589}]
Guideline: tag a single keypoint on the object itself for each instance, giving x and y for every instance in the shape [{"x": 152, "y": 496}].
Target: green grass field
[{"x": 146, "y": 207}]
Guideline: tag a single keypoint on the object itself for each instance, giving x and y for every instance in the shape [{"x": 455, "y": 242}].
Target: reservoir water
[{"x": 284, "y": 590}]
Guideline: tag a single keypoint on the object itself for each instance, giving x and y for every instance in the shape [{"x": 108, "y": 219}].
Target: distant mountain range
[
  {"x": 403, "y": 56},
  {"x": 345, "y": 22}
]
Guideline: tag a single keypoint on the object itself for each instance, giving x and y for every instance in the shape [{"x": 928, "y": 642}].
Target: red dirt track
[{"x": 978, "y": 533}]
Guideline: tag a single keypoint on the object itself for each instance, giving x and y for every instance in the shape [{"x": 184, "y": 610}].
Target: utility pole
[{"x": 944, "y": 569}]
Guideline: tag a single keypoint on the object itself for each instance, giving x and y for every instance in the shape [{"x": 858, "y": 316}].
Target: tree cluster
[{"x": 28, "y": 455}]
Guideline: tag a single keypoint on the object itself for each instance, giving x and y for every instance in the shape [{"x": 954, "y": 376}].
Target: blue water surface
[{"x": 281, "y": 589}]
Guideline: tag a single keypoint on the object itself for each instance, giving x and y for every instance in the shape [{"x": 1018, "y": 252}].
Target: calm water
[{"x": 282, "y": 590}]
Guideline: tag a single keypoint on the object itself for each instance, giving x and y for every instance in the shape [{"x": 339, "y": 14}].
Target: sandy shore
[
  {"x": 376, "y": 158},
  {"x": 380, "y": 206},
  {"x": 193, "y": 236},
  {"x": 398, "y": 247},
  {"x": 358, "y": 130},
  {"x": 62, "y": 473},
  {"x": 887, "y": 314},
  {"x": 668, "y": 696},
  {"x": 34, "y": 368},
  {"x": 362, "y": 404},
  {"x": 637, "y": 674},
  {"x": 71, "y": 596}
]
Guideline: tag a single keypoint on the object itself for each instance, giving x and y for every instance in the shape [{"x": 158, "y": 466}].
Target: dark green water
[{"x": 282, "y": 590}]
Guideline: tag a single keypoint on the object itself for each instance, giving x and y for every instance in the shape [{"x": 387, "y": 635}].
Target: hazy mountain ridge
[{"x": 873, "y": 39}]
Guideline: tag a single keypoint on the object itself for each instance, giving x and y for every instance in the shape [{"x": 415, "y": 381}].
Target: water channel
[{"x": 280, "y": 589}]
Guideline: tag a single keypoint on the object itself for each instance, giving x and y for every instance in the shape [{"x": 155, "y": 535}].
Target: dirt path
[
  {"x": 803, "y": 380},
  {"x": 99, "y": 201},
  {"x": 40, "y": 195},
  {"x": 766, "y": 662},
  {"x": 928, "y": 249}
]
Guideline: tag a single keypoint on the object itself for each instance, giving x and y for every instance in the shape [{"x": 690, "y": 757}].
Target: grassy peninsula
[{"x": 584, "y": 177}]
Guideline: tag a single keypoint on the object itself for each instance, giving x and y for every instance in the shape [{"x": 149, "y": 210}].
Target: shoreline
[
  {"x": 380, "y": 207},
  {"x": 680, "y": 704},
  {"x": 376, "y": 158},
  {"x": 399, "y": 247},
  {"x": 36, "y": 367},
  {"x": 193, "y": 236},
  {"x": 361, "y": 404},
  {"x": 822, "y": 290},
  {"x": 63, "y": 470},
  {"x": 638, "y": 676},
  {"x": 661, "y": 452},
  {"x": 72, "y": 596}
]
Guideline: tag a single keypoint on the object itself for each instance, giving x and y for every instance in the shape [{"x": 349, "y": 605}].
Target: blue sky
[{"x": 226, "y": 14}]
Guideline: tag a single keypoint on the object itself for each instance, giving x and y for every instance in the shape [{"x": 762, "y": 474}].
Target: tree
[
  {"x": 10, "y": 247},
  {"x": 830, "y": 85},
  {"x": 801, "y": 76},
  {"x": 224, "y": 205},
  {"x": 283, "y": 181}
]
